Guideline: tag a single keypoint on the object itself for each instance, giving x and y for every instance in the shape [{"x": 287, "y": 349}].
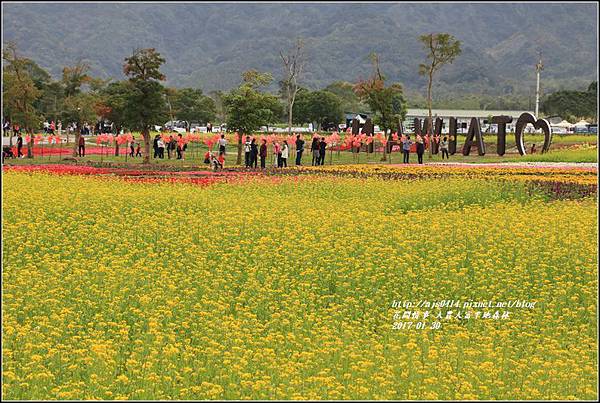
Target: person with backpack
[{"x": 299, "y": 149}]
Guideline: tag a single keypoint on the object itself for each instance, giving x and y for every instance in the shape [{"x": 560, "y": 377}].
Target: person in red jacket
[
  {"x": 81, "y": 146},
  {"x": 263, "y": 153}
]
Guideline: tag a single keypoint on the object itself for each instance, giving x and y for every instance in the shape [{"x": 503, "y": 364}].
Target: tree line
[{"x": 141, "y": 100}]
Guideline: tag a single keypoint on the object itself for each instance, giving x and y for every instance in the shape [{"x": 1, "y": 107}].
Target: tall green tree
[
  {"x": 302, "y": 112},
  {"x": 145, "y": 101},
  {"x": 320, "y": 107},
  {"x": 192, "y": 105},
  {"x": 350, "y": 101},
  {"x": 19, "y": 93},
  {"x": 386, "y": 102},
  {"x": 113, "y": 102},
  {"x": 441, "y": 49},
  {"x": 79, "y": 104},
  {"x": 579, "y": 104},
  {"x": 248, "y": 108}
]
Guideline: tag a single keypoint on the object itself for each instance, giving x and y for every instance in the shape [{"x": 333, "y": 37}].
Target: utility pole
[{"x": 538, "y": 68}]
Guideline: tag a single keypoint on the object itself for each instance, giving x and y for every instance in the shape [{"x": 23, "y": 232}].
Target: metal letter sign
[
  {"x": 474, "y": 132},
  {"x": 543, "y": 124},
  {"x": 501, "y": 121}
]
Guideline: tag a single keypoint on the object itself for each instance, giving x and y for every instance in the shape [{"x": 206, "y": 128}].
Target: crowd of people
[
  {"x": 173, "y": 145},
  {"x": 439, "y": 144},
  {"x": 280, "y": 152}
]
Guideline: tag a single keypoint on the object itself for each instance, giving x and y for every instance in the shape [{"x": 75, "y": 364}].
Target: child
[{"x": 138, "y": 150}]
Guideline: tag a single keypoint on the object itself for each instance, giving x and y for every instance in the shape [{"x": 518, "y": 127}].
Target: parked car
[{"x": 179, "y": 126}]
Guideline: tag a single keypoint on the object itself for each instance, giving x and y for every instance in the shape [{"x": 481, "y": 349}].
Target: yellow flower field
[{"x": 284, "y": 289}]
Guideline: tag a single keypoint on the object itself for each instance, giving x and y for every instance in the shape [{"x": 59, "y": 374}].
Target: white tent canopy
[
  {"x": 581, "y": 123},
  {"x": 564, "y": 123}
]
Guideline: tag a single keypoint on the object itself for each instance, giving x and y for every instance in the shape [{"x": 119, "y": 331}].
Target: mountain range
[{"x": 209, "y": 45}]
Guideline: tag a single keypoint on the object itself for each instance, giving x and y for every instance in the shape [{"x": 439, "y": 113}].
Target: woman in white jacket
[{"x": 285, "y": 152}]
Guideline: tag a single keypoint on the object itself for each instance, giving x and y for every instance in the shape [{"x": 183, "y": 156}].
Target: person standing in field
[
  {"x": 132, "y": 147},
  {"x": 179, "y": 147},
  {"x": 285, "y": 152},
  {"x": 19, "y": 146},
  {"x": 420, "y": 148},
  {"x": 138, "y": 149},
  {"x": 406, "y": 144},
  {"x": 81, "y": 146},
  {"x": 263, "y": 154},
  {"x": 168, "y": 147},
  {"x": 155, "y": 145},
  {"x": 253, "y": 153},
  {"x": 299, "y": 149},
  {"x": 160, "y": 144},
  {"x": 277, "y": 153},
  {"x": 322, "y": 148},
  {"x": 247, "y": 150},
  {"x": 222, "y": 144},
  {"x": 6, "y": 128},
  {"x": 444, "y": 148},
  {"x": 314, "y": 148}
]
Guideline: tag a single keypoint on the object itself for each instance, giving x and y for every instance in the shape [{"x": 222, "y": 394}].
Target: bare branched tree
[{"x": 293, "y": 66}]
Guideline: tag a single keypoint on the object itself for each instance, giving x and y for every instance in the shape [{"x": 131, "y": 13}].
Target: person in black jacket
[
  {"x": 19, "y": 146},
  {"x": 322, "y": 147},
  {"x": 314, "y": 148},
  {"x": 253, "y": 153},
  {"x": 420, "y": 148},
  {"x": 299, "y": 149}
]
